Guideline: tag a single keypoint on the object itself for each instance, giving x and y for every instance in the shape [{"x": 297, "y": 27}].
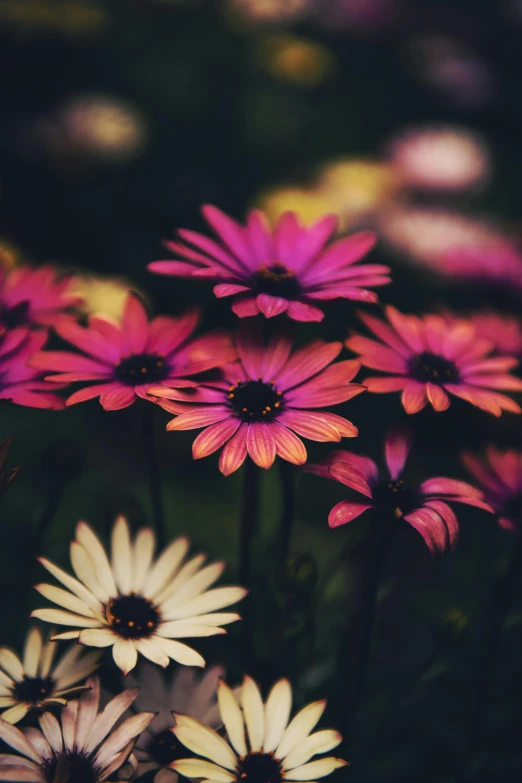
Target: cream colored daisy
[
  {"x": 80, "y": 748},
  {"x": 33, "y": 683},
  {"x": 263, "y": 746},
  {"x": 134, "y": 603}
]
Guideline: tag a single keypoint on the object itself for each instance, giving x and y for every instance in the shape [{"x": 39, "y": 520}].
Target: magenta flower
[
  {"x": 392, "y": 499},
  {"x": 428, "y": 358},
  {"x": 35, "y": 296},
  {"x": 19, "y": 382},
  {"x": 499, "y": 474},
  {"x": 286, "y": 269},
  {"x": 264, "y": 398},
  {"x": 125, "y": 361}
]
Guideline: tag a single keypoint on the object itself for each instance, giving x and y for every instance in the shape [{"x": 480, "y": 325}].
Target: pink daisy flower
[
  {"x": 264, "y": 398},
  {"x": 424, "y": 507},
  {"x": 35, "y": 296},
  {"x": 427, "y": 358},
  {"x": 125, "y": 360},
  {"x": 21, "y": 383},
  {"x": 499, "y": 474},
  {"x": 287, "y": 269}
]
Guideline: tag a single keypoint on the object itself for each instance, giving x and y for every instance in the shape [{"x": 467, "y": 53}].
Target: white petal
[
  {"x": 92, "y": 544},
  {"x": 216, "y": 619},
  {"x": 32, "y": 651},
  {"x": 65, "y": 599},
  {"x": 179, "y": 629},
  {"x": 232, "y": 718},
  {"x": 8, "y": 760},
  {"x": 5, "y": 681},
  {"x": 72, "y": 584},
  {"x": 84, "y": 569},
  {"x": 300, "y": 727},
  {"x": 315, "y": 769},
  {"x": 205, "y": 742},
  {"x": 194, "y": 586},
  {"x": 125, "y": 655},
  {"x": 16, "y": 713},
  {"x": 11, "y": 663},
  {"x": 123, "y": 735},
  {"x": 21, "y": 774},
  {"x": 254, "y": 712},
  {"x": 65, "y": 637},
  {"x": 14, "y": 737},
  {"x": 68, "y": 660},
  {"x": 38, "y": 741},
  {"x": 87, "y": 712},
  {"x": 277, "y": 713},
  {"x": 68, "y": 718},
  {"x": 165, "y": 567},
  {"x": 108, "y": 717},
  {"x": 46, "y": 659},
  {"x": 152, "y": 651},
  {"x": 143, "y": 553},
  {"x": 179, "y": 652},
  {"x": 61, "y": 617},
  {"x": 7, "y": 701},
  {"x": 98, "y": 637},
  {"x": 51, "y": 729},
  {"x": 185, "y": 572},
  {"x": 121, "y": 552},
  {"x": 209, "y": 601},
  {"x": 320, "y": 742},
  {"x": 79, "y": 671},
  {"x": 197, "y": 768}
]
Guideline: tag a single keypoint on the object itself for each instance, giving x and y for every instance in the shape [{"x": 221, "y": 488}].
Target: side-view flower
[
  {"x": 21, "y": 383},
  {"x": 264, "y": 398},
  {"x": 285, "y": 269},
  {"x": 122, "y": 362},
  {"x": 81, "y": 746},
  {"x": 499, "y": 474},
  {"x": 35, "y": 296},
  {"x": 136, "y": 604},
  {"x": 262, "y": 744},
  {"x": 34, "y": 683},
  {"x": 392, "y": 499},
  {"x": 427, "y": 358}
]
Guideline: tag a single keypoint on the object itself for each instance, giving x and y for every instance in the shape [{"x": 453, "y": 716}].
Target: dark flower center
[
  {"x": 255, "y": 400},
  {"x": 69, "y": 767},
  {"x": 277, "y": 280},
  {"x": 141, "y": 368},
  {"x": 435, "y": 369},
  {"x": 33, "y": 690},
  {"x": 395, "y": 498},
  {"x": 259, "y": 768},
  {"x": 132, "y": 616},
  {"x": 164, "y": 748},
  {"x": 14, "y": 316}
]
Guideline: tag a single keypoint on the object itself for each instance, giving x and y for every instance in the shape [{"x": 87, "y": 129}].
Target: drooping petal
[
  {"x": 346, "y": 511},
  {"x": 397, "y": 448}
]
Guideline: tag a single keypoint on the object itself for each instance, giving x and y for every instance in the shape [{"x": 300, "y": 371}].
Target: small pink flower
[
  {"x": 427, "y": 358},
  {"x": 35, "y": 296},
  {"x": 264, "y": 398},
  {"x": 125, "y": 361},
  {"x": 21, "y": 383},
  {"x": 287, "y": 269},
  {"x": 499, "y": 474},
  {"x": 424, "y": 507}
]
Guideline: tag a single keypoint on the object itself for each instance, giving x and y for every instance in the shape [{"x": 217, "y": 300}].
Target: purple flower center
[
  {"x": 275, "y": 279},
  {"x": 33, "y": 690},
  {"x": 141, "y": 368},
  {"x": 395, "y": 498},
  {"x": 14, "y": 316},
  {"x": 255, "y": 400},
  {"x": 70, "y": 766},
  {"x": 164, "y": 748},
  {"x": 259, "y": 768},
  {"x": 132, "y": 616},
  {"x": 431, "y": 368}
]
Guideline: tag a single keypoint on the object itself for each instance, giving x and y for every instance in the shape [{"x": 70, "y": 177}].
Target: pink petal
[
  {"x": 363, "y": 465},
  {"x": 344, "y": 427},
  {"x": 309, "y": 425},
  {"x": 430, "y": 525},
  {"x": 229, "y": 289},
  {"x": 315, "y": 239},
  {"x": 135, "y": 325},
  {"x": 251, "y": 348},
  {"x": 219, "y": 256},
  {"x": 199, "y": 418},
  {"x": 32, "y": 399},
  {"x": 344, "y": 292},
  {"x": 408, "y": 327},
  {"x": 509, "y": 524},
  {"x": 492, "y": 481},
  {"x": 288, "y": 446},
  {"x": 116, "y": 397},
  {"x": 397, "y": 448},
  {"x": 306, "y": 362},
  {"x": 346, "y": 475},
  {"x": 440, "y": 485},
  {"x": 450, "y": 519},
  {"x": 166, "y": 334},
  {"x": 345, "y": 511},
  {"x": 342, "y": 253},
  {"x": 383, "y": 331},
  {"x": 234, "y": 451},
  {"x": 245, "y": 308},
  {"x": 271, "y": 306},
  {"x": 435, "y": 332},
  {"x": 494, "y": 365},
  {"x": 437, "y": 396},
  {"x": 174, "y": 268},
  {"x": 260, "y": 237},
  {"x": 287, "y": 234},
  {"x": 231, "y": 233},
  {"x": 414, "y": 397},
  {"x": 301, "y": 311},
  {"x": 458, "y": 339},
  {"x": 261, "y": 445},
  {"x": 90, "y": 341},
  {"x": 377, "y": 356},
  {"x": 507, "y": 382},
  {"x": 67, "y": 362},
  {"x": 324, "y": 397},
  {"x": 75, "y": 377},
  {"x": 88, "y": 393},
  {"x": 277, "y": 352},
  {"x": 507, "y": 466},
  {"x": 337, "y": 374},
  {"x": 385, "y": 385},
  {"x": 213, "y": 437}
]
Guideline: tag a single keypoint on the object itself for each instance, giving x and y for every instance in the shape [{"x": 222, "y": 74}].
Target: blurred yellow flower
[
  {"x": 10, "y": 255},
  {"x": 104, "y": 296},
  {"x": 296, "y": 60},
  {"x": 70, "y": 17},
  {"x": 309, "y": 204}
]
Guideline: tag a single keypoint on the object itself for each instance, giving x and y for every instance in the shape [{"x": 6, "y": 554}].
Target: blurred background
[{"x": 119, "y": 119}]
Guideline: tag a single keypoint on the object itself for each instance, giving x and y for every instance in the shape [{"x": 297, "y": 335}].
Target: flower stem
[
  {"x": 151, "y": 457},
  {"x": 287, "y": 517},
  {"x": 249, "y": 519}
]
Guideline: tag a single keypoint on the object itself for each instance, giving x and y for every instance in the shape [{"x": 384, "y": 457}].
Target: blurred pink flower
[
  {"x": 19, "y": 382},
  {"x": 504, "y": 332},
  {"x": 35, "y": 296},
  {"x": 357, "y": 15},
  {"x": 499, "y": 474},
  {"x": 427, "y": 358},
  {"x": 286, "y": 269},
  {"x": 125, "y": 361},
  {"x": 424, "y": 507}
]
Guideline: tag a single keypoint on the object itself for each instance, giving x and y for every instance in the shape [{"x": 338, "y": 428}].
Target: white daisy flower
[
  {"x": 79, "y": 748},
  {"x": 33, "y": 683},
  {"x": 263, "y": 746},
  {"x": 188, "y": 692},
  {"x": 136, "y": 604}
]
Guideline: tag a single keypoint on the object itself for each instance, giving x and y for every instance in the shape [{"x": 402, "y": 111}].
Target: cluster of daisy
[{"x": 254, "y": 395}]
